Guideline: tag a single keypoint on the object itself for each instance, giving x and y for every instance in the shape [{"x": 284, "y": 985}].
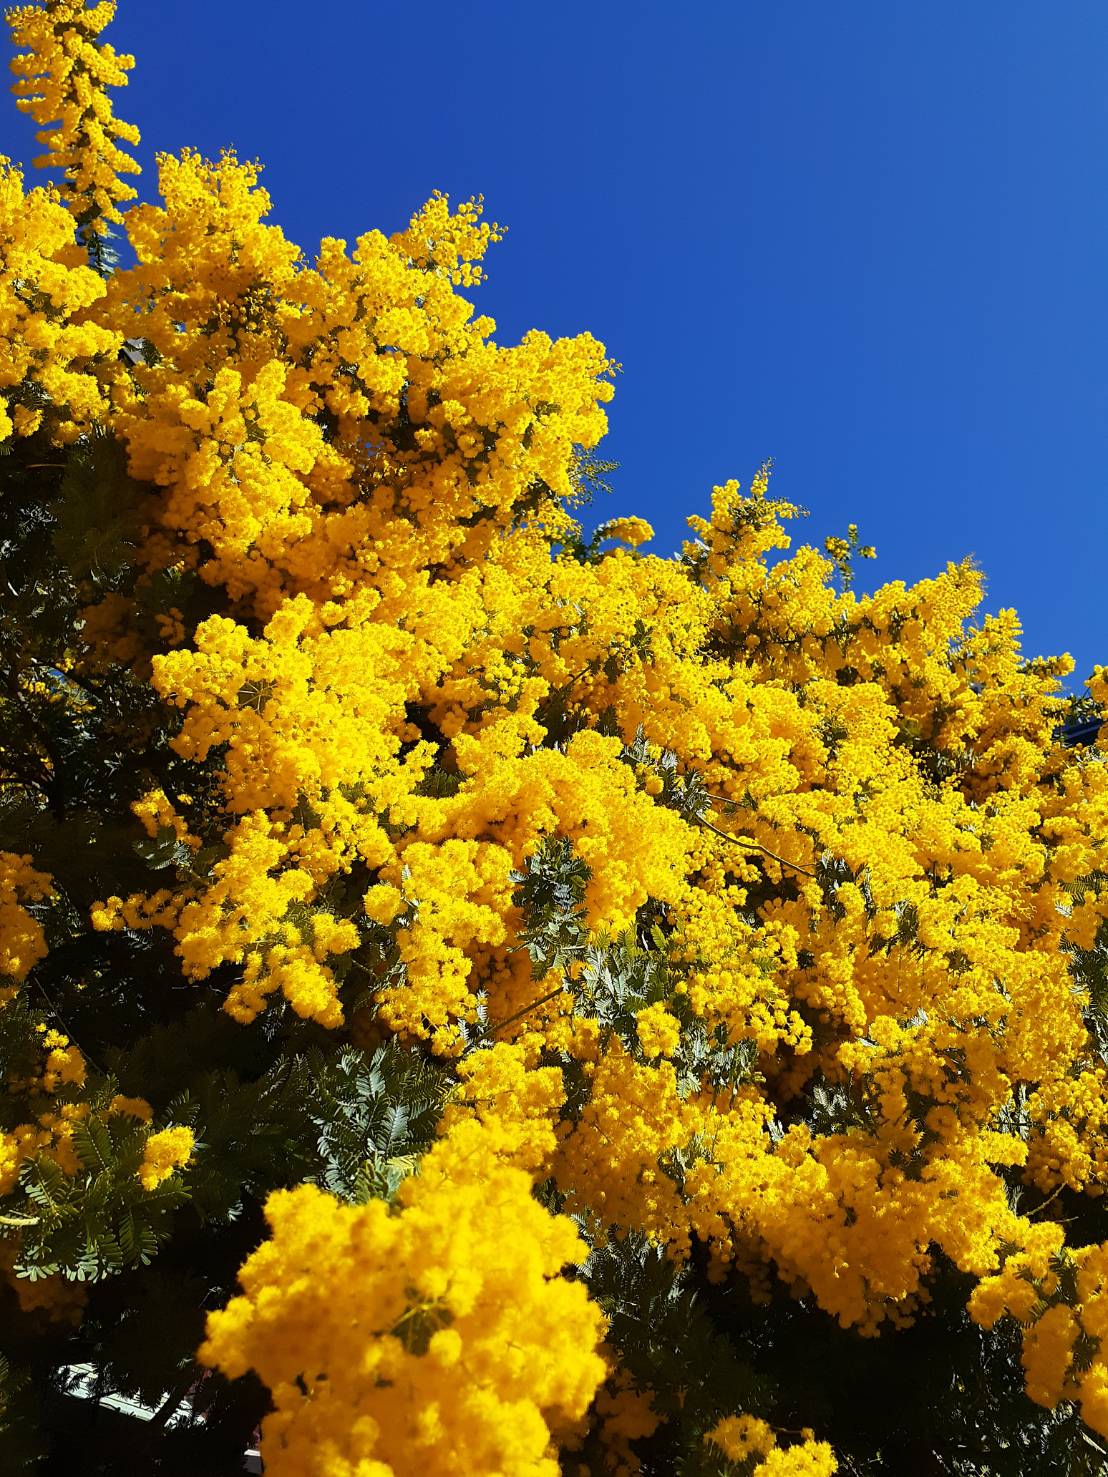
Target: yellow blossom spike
[{"x": 63, "y": 75}]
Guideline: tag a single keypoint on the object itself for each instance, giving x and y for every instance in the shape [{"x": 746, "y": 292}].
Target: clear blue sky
[{"x": 868, "y": 239}]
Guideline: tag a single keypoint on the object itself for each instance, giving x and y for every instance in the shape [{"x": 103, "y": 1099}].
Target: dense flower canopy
[{"x": 697, "y": 914}]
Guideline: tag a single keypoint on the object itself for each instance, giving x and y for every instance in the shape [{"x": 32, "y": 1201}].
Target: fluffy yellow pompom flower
[
  {"x": 64, "y": 1065},
  {"x": 131, "y": 1107},
  {"x": 658, "y": 1032},
  {"x": 806, "y": 1459},
  {"x": 165, "y": 1152},
  {"x": 633, "y": 531},
  {"x": 740, "y": 1436}
]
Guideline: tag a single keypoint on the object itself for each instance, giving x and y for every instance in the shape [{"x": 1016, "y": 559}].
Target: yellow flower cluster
[
  {"x": 131, "y": 1107},
  {"x": 50, "y": 1136},
  {"x": 64, "y": 1065},
  {"x": 658, "y": 1032},
  {"x": 743, "y": 1437},
  {"x": 613, "y": 1163},
  {"x": 22, "y": 941},
  {"x": 15, "y": 1147},
  {"x": 514, "y": 1101},
  {"x": 1060, "y": 1297},
  {"x": 49, "y": 348},
  {"x": 631, "y": 531},
  {"x": 258, "y": 354},
  {"x": 454, "y": 1348},
  {"x": 156, "y": 812},
  {"x": 62, "y": 80},
  {"x": 1069, "y": 1141},
  {"x": 621, "y": 1418},
  {"x": 164, "y": 1152}
]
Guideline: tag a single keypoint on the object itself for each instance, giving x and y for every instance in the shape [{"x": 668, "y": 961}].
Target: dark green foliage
[
  {"x": 21, "y": 1440},
  {"x": 99, "y": 1221},
  {"x": 550, "y": 893},
  {"x": 374, "y": 1116},
  {"x": 942, "y": 1398},
  {"x": 669, "y": 1344},
  {"x": 97, "y": 522}
]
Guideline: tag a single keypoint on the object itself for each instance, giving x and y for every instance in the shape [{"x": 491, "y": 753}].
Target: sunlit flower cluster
[
  {"x": 455, "y": 1348},
  {"x": 63, "y": 77}
]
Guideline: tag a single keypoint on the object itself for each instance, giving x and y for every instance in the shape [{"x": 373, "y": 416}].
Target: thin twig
[
  {"x": 584, "y": 672},
  {"x": 57, "y": 1013},
  {"x": 1043, "y": 1204},
  {"x": 757, "y": 845},
  {"x": 510, "y": 1020}
]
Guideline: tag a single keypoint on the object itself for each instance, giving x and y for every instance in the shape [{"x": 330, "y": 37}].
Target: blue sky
[{"x": 866, "y": 239}]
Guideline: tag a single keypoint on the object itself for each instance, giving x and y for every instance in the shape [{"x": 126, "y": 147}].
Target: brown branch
[
  {"x": 1043, "y": 1204},
  {"x": 510, "y": 1020},
  {"x": 170, "y": 1405}
]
